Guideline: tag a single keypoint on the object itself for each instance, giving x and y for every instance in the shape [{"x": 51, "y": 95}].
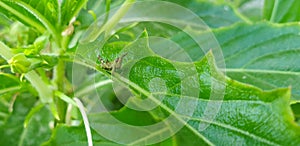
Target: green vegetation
[{"x": 133, "y": 72}]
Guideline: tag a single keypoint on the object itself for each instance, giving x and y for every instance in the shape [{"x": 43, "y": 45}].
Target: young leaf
[
  {"x": 42, "y": 88},
  {"x": 70, "y": 9}
]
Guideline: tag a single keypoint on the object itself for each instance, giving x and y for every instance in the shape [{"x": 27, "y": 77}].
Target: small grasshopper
[{"x": 117, "y": 64}]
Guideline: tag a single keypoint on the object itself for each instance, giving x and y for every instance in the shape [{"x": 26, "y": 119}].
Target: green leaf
[
  {"x": 246, "y": 115},
  {"x": 6, "y": 101},
  {"x": 18, "y": 35},
  {"x": 282, "y": 10},
  {"x": 86, "y": 17},
  {"x": 252, "y": 9},
  {"x": 236, "y": 3},
  {"x": 13, "y": 131},
  {"x": 8, "y": 87},
  {"x": 12, "y": 10},
  {"x": 296, "y": 109},
  {"x": 70, "y": 8},
  {"x": 4, "y": 21},
  {"x": 38, "y": 126},
  {"x": 36, "y": 13},
  {"x": 8, "y": 83},
  {"x": 43, "y": 14},
  {"x": 74, "y": 136},
  {"x": 128, "y": 116},
  {"x": 262, "y": 54},
  {"x": 12, "y": 128},
  {"x": 213, "y": 14}
]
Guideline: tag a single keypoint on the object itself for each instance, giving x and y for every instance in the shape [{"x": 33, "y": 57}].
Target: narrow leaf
[{"x": 282, "y": 10}]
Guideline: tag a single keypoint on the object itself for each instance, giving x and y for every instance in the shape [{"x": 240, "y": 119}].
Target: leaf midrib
[
  {"x": 145, "y": 92},
  {"x": 208, "y": 100},
  {"x": 266, "y": 71}
]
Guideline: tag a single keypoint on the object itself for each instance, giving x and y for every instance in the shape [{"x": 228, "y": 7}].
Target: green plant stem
[
  {"x": 65, "y": 98},
  {"x": 43, "y": 89},
  {"x": 113, "y": 21},
  {"x": 9, "y": 89},
  {"x": 116, "y": 18},
  {"x": 59, "y": 75}
]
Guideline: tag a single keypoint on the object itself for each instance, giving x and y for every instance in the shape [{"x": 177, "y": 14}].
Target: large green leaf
[
  {"x": 9, "y": 86},
  {"x": 235, "y": 2},
  {"x": 282, "y": 10},
  {"x": 13, "y": 131},
  {"x": 13, "y": 127},
  {"x": 253, "y": 9},
  {"x": 246, "y": 116},
  {"x": 74, "y": 136},
  {"x": 213, "y": 14},
  {"x": 37, "y": 126},
  {"x": 262, "y": 54}
]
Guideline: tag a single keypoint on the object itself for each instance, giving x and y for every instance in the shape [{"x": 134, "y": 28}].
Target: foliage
[{"x": 83, "y": 72}]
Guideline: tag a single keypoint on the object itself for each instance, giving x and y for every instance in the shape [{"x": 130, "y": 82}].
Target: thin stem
[
  {"x": 116, "y": 18},
  {"x": 4, "y": 66},
  {"x": 65, "y": 98},
  {"x": 90, "y": 88},
  {"x": 9, "y": 89},
  {"x": 45, "y": 93},
  {"x": 5, "y": 52},
  {"x": 69, "y": 114},
  {"x": 85, "y": 121},
  {"x": 113, "y": 21}
]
